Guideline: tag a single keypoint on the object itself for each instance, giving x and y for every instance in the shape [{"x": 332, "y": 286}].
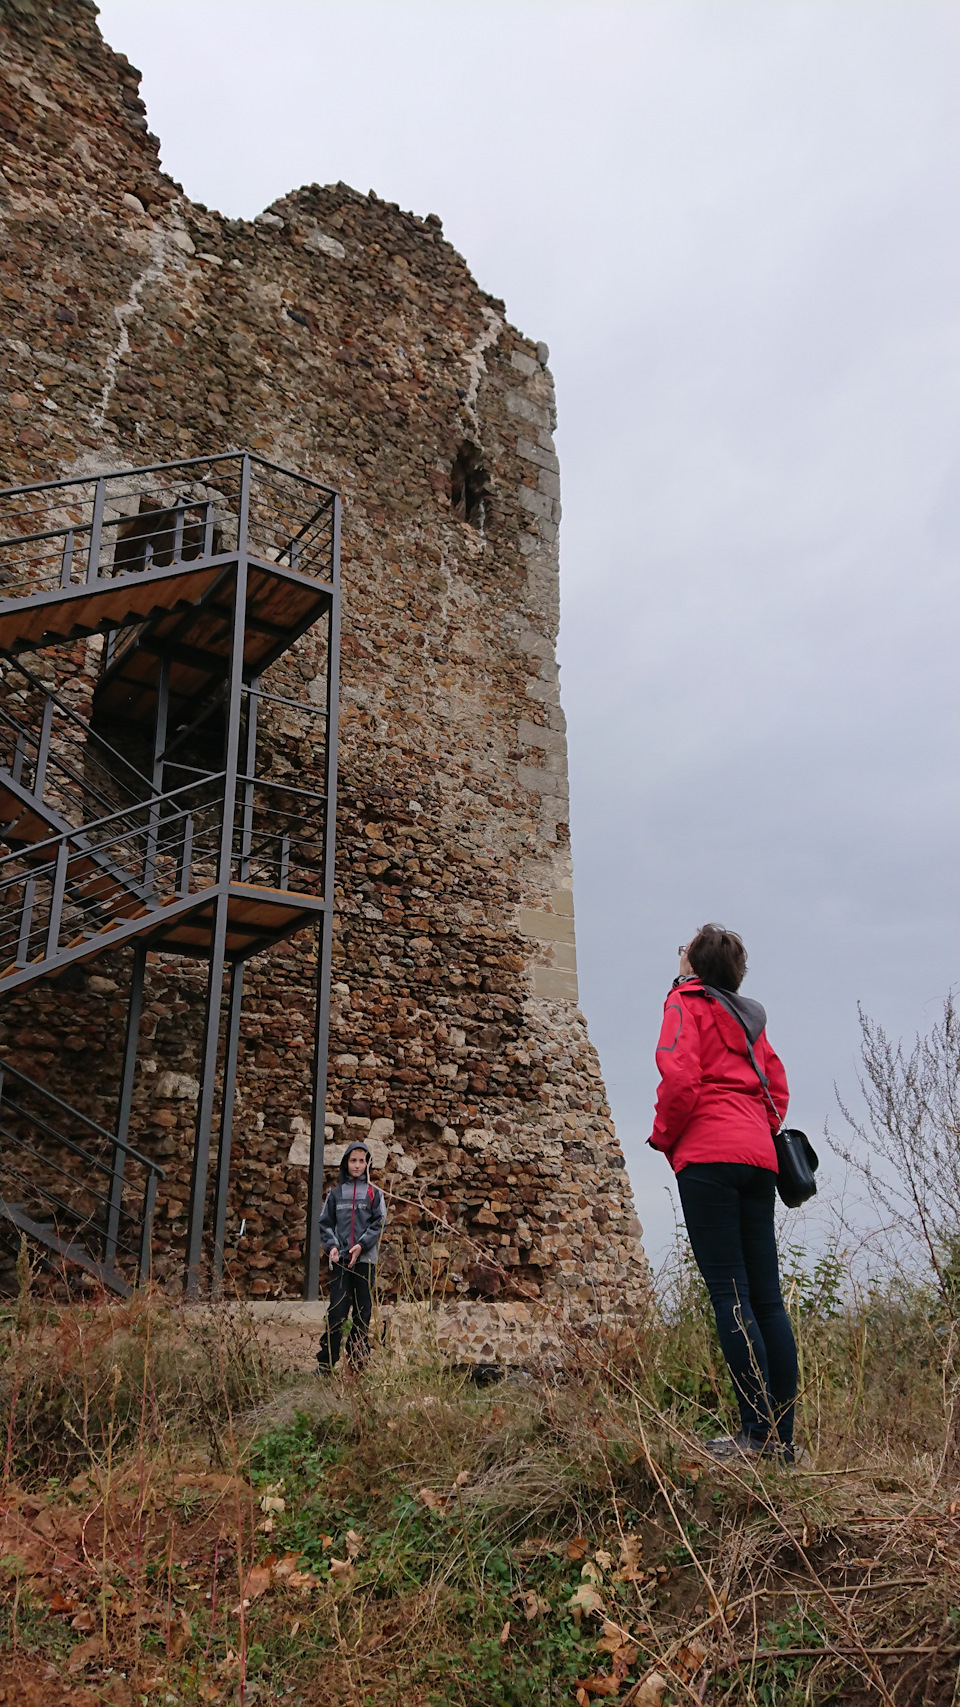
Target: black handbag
[{"x": 797, "y": 1160}]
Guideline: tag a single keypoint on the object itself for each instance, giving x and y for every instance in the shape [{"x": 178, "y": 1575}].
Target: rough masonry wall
[{"x": 342, "y": 337}]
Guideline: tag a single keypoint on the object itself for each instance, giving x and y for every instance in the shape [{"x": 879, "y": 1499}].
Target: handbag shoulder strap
[{"x": 720, "y": 997}]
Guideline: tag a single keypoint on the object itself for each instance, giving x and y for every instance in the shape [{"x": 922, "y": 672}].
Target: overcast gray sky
[{"x": 734, "y": 223}]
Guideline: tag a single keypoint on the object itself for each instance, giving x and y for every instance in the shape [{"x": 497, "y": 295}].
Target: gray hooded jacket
[{"x": 354, "y": 1213}]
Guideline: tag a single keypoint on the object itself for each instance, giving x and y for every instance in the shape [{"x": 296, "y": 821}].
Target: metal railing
[
  {"x": 98, "y": 1214},
  {"x": 68, "y": 532},
  {"x": 60, "y": 893},
  {"x": 50, "y": 753},
  {"x": 68, "y": 888}
]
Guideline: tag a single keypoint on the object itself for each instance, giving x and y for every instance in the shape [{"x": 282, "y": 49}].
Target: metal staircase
[{"x": 144, "y": 625}]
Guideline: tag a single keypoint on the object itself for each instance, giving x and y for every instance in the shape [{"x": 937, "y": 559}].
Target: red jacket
[{"x": 710, "y": 1103}]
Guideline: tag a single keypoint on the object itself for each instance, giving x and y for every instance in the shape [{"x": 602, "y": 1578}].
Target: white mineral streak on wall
[{"x": 166, "y": 245}]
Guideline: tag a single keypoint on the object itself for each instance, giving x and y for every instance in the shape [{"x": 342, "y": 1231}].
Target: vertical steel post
[
  {"x": 208, "y": 1069},
  {"x": 250, "y": 771},
  {"x": 180, "y": 513},
  {"x": 96, "y": 529},
  {"x": 124, "y": 1104},
  {"x": 226, "y": 1122},
  {"x": 26, "y": 920},
  {"x": 321, "y": 1035},
  {"x": 56, "y": 899},
  {"x": 159, "y": 746},
  {"x": 66, "y": 560},
  {"x": 43, "y": 749},
  {"x": 146, "y": 1229}
]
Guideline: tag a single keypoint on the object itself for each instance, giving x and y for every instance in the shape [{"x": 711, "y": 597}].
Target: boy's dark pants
[{"x": 349, "y": 1287}]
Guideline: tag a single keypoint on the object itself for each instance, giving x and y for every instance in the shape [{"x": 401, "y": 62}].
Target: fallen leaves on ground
[
  {"x": 84, "y": 1654},
  {"x": 534, "y": 1605},
  {"x": 584, "y": 1599},
  {"x": 577, "y": 1548},
  {"x": 597, "y": 1685},
  {"x": 649, "y": 1692}
]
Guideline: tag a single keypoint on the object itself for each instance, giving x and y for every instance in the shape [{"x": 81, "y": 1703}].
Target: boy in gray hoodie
[{"x": 351, "y": 1222}]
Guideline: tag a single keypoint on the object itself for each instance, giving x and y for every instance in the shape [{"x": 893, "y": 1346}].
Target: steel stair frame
[
  {"x": 51, "y": 1238},
  {"x": 154, "y": 611}
]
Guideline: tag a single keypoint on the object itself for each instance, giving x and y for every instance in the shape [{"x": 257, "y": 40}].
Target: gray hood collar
[{"x": 752, "y": 1015}]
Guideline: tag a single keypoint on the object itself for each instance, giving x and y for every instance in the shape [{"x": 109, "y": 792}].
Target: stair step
[{"x": 49, "y": 1238}]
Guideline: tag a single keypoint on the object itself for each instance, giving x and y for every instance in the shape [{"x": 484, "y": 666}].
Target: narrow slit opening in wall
[{"x": 468, "y": 484}]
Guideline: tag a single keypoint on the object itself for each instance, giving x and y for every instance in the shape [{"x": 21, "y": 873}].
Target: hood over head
[{"x": 344, "y": 1159}]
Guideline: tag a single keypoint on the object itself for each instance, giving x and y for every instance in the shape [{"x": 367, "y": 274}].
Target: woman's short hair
[{"x": 718, "y": 957}]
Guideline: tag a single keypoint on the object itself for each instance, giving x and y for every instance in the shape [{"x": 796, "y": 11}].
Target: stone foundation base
[{"x": 459, "y": 1333}]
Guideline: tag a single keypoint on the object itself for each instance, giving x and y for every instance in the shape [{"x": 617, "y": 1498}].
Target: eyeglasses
[{"x": 682, "y": 949}]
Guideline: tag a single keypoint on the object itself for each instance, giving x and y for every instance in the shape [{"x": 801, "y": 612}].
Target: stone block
[
  {"x": 524, "y": 364},
  {"x": 545, "y": 927},
  {"x": 557, "y": 985},
  {"x": 536, "y": 735}
]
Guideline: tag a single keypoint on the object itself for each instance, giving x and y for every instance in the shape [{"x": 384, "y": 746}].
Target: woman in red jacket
[{"x": 715, "y": 1124}]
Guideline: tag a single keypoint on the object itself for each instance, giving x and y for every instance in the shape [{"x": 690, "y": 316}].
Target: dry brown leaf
[
  {"x": 689, "y": 1658},
  {"x": 497, "y": 1417},
  {"x": 691, "y": 1469},
  {"x": 603, "y": 1558},
  {"x": 326, "y": 1541},
  {"x": 392, "y": 1424},
  {"x": 649, "y": 1692},
  {"x": 597, "y": 1685},
  {"x": 84, "y": 1654},
  {"x": 463, "y": 1477},
  {"x": 180, "y": 1634},
  {"x": 536, "y": 1547},
  {"x": 584, "y": 1599},
  {"x": 60, "y": 1604},
  {"x": 303, "y": 1579},
  {"x": 583, "y": 1699},
  {"x": 341, "y": 1570},
  {"x": 432, "y": 1500},
  {"x": 613, "y": 1637},
  {"x": 505, "y": 1634},
  {"x": 577, "y": 1548},
  {"x": 624, "y": 1660},
  {"x": 285, "y": 1567},
  {"x": 630, "y": 1549},
  {"x": 626, "y": 1576},
  {"x": 354, "y": 1543},
  {"x": 85, "y": 1620},
  {"x": 590, "y": 1573},
  {"x": 258, "y": 1580},
  {"x": 534, "y": 1605}
]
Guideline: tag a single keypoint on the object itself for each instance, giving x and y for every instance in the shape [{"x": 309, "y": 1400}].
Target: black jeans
[
  {"x": 728, "y": 1209},
  {"x": 349, "y": 1287}
]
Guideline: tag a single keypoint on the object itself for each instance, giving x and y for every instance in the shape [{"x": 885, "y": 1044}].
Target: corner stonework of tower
[{"x": 337, "y": 336}]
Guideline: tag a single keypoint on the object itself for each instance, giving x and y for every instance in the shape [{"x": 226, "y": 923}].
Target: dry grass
[{"x": 183, "y": 1522}]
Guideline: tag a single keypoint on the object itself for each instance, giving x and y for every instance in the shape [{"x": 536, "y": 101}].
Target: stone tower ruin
[{"x": 344, "y": 340}]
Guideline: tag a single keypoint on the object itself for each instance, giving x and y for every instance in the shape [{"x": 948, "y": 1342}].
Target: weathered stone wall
[{"x": 339, "y": 336}]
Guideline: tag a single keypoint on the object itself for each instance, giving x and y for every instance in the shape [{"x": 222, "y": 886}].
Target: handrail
[
  {"x": 161, "y": 468},
  {"x": 75, "y": 717},
  {"x": 76, "y": 1114},
  {"x": 50, "y": 1196},
  {"x": 98, "y": 823}
]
